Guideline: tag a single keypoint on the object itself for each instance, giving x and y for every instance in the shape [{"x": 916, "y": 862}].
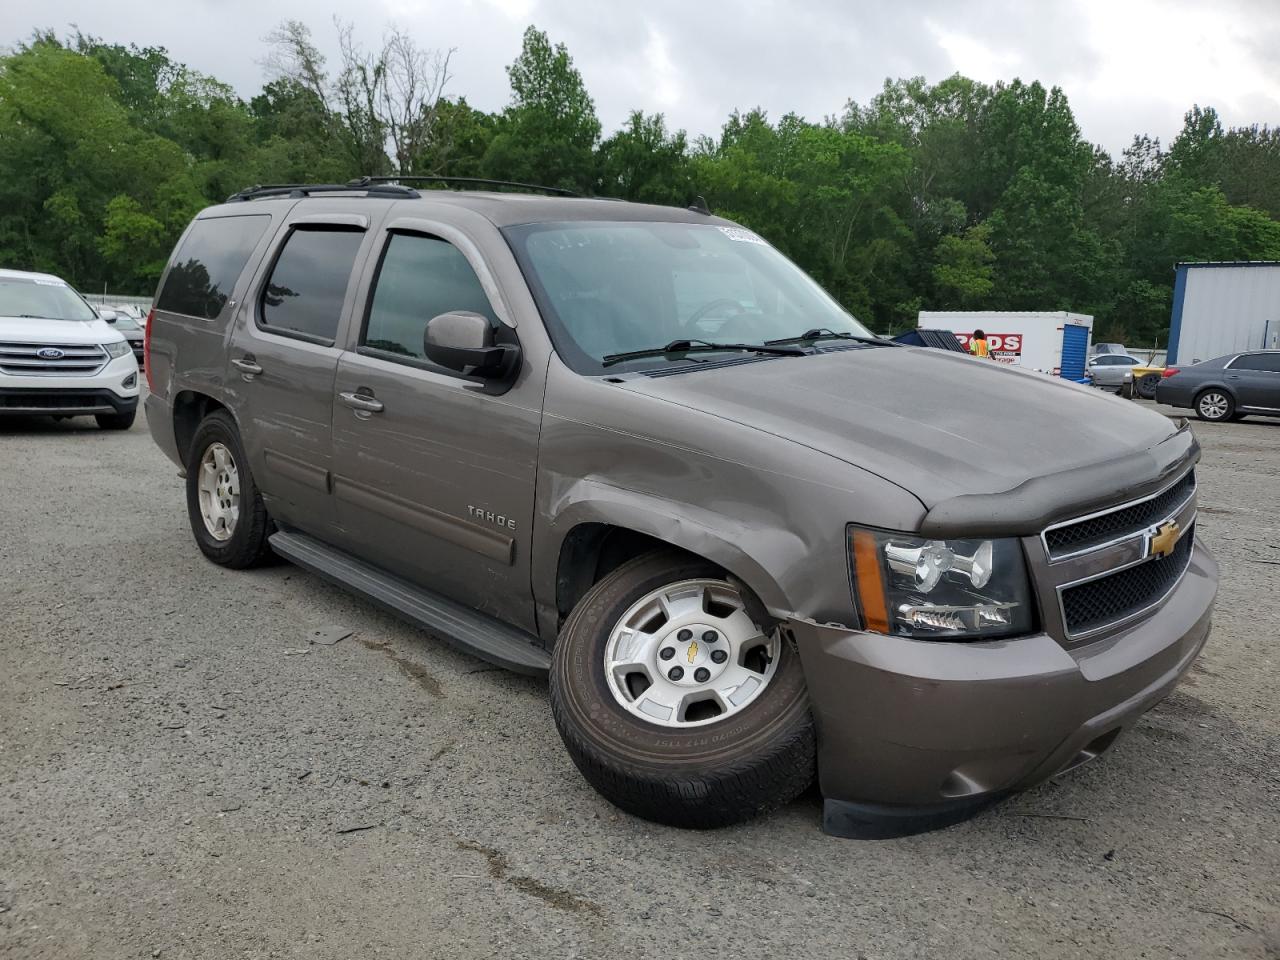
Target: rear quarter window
[{"x": 205, "y": 268}]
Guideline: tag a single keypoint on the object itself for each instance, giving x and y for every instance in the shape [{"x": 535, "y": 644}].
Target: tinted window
[
  {"x": 308, "y": 283},
  {"x": 1107, "y": 361},
  {"x": 206, "y": 266},
  {"x": 1258, "y": 361},
  {"x": 420, "y": 278}
]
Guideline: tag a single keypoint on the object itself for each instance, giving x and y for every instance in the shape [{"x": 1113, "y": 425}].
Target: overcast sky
[{"x": 1127, "y": 66}]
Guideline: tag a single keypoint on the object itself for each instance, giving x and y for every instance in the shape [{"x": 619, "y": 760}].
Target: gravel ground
[{"x": 182, "y": 774}]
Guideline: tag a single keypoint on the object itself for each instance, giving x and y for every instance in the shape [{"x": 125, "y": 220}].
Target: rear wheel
[
  {"x": 1147, "y": 385},
  {"x": 678, "y": 699},
  {"x": 1214, "y": 405},
  {"x": 226, "y": 512},
  {"x": 116, "y": 421}
]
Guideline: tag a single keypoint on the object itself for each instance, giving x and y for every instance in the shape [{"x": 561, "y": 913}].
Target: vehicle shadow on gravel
[{"x": 31, "y": 426}]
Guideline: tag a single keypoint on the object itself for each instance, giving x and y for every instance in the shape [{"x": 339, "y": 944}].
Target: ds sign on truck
[{"x": 1005, "y": 347}]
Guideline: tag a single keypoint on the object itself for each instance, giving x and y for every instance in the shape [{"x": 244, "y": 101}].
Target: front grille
[
  {"x": 59, "y": 360},
  {"x": 1117, "y": 596},
  {"x": 1084, "y": 534}
]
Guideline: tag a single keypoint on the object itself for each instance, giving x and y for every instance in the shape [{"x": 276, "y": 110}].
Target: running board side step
[{"x": 469, "y": 630}]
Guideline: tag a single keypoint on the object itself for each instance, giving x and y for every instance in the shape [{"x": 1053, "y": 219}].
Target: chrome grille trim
[
  {"x": 77, "y": 359},
  {"x": 1095, "y": 563},
  {"x": 1140, "y": 530}
]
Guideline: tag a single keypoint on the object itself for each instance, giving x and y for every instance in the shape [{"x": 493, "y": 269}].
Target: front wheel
[
  {"x": 1147, "y": 384},
  {"x": 1215, "y": 405},
  {"x": 226, "y": 511},
  {"x": 678, "y": 700}
]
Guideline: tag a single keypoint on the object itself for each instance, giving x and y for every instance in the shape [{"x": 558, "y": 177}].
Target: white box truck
[{"x": 1053, "y": 342}]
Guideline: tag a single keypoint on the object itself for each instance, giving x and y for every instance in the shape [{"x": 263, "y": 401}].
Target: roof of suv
[{"x": 509, "y": 209}]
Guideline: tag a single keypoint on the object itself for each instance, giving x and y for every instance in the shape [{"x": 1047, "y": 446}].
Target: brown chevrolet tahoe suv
[{"x": 635, "y": 448}]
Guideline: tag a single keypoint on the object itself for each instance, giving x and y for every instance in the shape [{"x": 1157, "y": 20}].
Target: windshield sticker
[
  {"x": 742, "y": 236},
  {"x": 50, "y": 283}
]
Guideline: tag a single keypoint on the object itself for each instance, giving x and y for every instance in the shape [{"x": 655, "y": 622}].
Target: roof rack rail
[
  {"x": 553, "y": 191},
  {"x": 297, "y": 191}
]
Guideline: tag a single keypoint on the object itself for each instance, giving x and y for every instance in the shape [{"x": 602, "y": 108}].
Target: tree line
[{"x": 951, "y": 195}]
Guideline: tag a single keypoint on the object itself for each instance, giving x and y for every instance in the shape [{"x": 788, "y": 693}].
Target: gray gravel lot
[{"x": 183, "y": 775}]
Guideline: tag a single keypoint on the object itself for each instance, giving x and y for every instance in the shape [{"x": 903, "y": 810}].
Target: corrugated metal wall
[{"x": 1220, "y": 308}]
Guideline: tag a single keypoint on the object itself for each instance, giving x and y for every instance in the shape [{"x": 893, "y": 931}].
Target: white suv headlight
[
  {"x": 940, "y": 589},
  {"x": 117, "y": 349}
]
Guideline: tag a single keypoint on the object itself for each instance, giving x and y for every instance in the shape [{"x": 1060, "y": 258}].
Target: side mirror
[
  {"x": 464, "y": 341},
  {"x": 108, "y": 315}
]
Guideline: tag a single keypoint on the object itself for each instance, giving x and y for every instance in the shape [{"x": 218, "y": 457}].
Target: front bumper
[
  {"x": 910, "y": 731},
  {"x": 113, "y": 389}
]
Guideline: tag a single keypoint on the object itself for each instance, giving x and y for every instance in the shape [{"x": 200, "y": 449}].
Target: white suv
[{"x": 58, "y": 357}]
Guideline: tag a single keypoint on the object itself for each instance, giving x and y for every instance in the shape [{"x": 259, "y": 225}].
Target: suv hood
[
  {"x": 934, "y": 422},
  {"x": 40, "y": 330}
]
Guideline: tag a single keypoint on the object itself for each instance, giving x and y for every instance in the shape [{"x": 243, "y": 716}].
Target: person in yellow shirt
[{"x": 978, "y": 345}]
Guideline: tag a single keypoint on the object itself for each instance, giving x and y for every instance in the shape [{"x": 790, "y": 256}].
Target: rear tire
[
  {"x": 228, "y": 518},
  {"x": 1215, "y": 405},
  {"x": 699, "y": 772},
  {"x": 1147, "y": 386},
  {"x": 116, "y": 421}
]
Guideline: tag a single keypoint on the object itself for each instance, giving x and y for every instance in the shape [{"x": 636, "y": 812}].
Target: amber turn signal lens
[{"x": 866, "y": 569}]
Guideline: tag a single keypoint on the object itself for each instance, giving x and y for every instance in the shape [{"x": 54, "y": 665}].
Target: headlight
[
  {"x": 940, "y": 589},
  {"x": 117, "y": 349}
]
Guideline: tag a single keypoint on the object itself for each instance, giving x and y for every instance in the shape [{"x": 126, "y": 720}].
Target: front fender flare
[{"x": 751, "y": 553}]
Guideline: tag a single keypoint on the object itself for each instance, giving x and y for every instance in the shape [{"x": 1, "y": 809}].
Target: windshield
[
  {"x": 126, "y": 322},
  {"x": 48, "y": 299},
  {"x": 610, "y": 288}
]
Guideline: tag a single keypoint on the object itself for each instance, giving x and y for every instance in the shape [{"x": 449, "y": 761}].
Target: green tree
[
  {"x": 644, "y": 161},
  {"x": 549, "y": 132}
]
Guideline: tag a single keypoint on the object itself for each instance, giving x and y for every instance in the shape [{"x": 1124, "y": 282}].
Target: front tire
[
  {"x": 1215, "y": 405},
  {"x": 228, "y": 518},
  {"x": 728, "y": 739},
  {"x": 1147, "y": 386},
  {"x": 116, "y": 421}
]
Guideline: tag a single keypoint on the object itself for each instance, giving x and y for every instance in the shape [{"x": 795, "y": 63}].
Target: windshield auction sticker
[{"x": 742, "y": 236}]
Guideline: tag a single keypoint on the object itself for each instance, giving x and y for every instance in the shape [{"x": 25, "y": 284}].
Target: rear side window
[
  {"x": 420, "y": 278},
  {"x": 1258, "y": 361},
  {"x": 208, "y": 263},
  {"x": 303, "y": 296}
]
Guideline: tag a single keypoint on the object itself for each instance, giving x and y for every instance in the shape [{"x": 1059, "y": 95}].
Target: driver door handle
[
  {"x": 246, "y": 365},
  {"x": 362, "y": 401}
]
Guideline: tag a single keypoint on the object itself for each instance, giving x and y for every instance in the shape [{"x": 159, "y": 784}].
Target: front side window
[
  {"x": 420, "y": 277},
  {"x": 303, "y": 296},
  {"x": 43, "y": 299},
  {"x": 607, "y": 288},
  {"x": 205, "y": 268}
]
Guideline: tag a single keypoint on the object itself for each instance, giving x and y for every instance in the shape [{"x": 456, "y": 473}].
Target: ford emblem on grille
[{"x": 50, "y": 353}]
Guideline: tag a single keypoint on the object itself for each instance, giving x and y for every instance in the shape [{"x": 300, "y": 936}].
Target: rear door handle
[
  {"x": 365, "y": 402},
  {"x": 247, "y": 365}
]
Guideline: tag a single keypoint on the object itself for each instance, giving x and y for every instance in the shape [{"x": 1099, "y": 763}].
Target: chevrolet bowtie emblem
[
  {"x": 1165, "y": 539},
  {"x": 693, "y": 651}
]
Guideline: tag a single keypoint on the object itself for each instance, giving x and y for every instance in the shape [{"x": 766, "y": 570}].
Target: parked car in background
[
  {"x": 134, "y": 312},
  {"x": 131, "y": 329},
  {"x": 1114, "y": 370},
  {"x": 1226, "y": 388},
  {"x": 635, "y": 448},
  {"x": 59, "y": 357}
]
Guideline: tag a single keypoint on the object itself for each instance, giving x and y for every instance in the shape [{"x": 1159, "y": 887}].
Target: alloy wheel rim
[
  {"x": 218, "y": 486},
  {"x": 688, "y": 654},
  {"x": 1213, "y": 406}
]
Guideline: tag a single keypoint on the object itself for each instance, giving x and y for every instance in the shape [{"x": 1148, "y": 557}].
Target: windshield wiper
[
  {"x": 700, "y": 346},
  {"x": 822, "y": 333}
]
